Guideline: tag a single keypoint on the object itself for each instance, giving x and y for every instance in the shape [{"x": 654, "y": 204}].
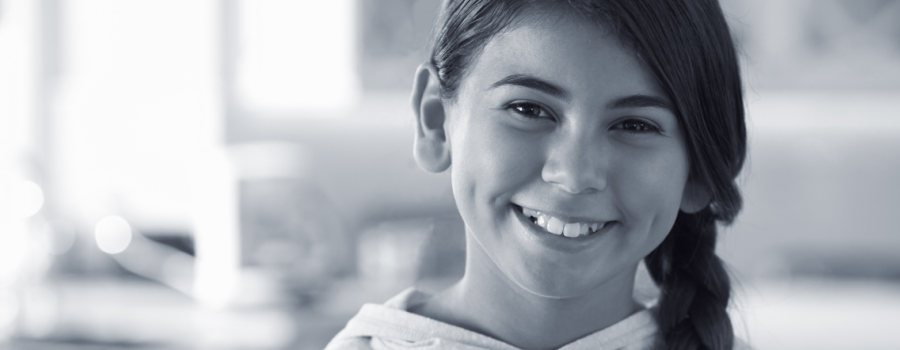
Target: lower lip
[{"x": 557, "y": 242}]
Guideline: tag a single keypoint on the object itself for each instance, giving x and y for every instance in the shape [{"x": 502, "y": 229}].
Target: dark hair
[{"x": 687, "y": 46}]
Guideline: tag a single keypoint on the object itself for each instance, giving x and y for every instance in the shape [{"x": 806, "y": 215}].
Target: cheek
[
  {"x": 651, "y": 187},
  {"x": 489, "y": 160}
]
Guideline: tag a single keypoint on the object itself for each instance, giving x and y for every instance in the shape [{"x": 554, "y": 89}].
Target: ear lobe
[
  {"x": 431, "y": 146},
  {"x": 694, "y": 198}
]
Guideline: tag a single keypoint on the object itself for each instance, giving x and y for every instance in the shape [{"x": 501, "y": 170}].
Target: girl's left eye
[
  {"x": 528, "y": 109},
  {"x": 637, "y": 126}
]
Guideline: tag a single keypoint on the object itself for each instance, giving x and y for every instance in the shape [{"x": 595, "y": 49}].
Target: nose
[{"x": 576, "y": 164}]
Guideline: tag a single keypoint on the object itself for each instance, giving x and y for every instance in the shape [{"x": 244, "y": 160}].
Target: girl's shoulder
[
  {"x": 392, "y": 326},
  {"x": 349, "y": 344}
]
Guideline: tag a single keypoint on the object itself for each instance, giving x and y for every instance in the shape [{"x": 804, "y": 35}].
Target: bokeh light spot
[
  {"x": 113, "y": 234},
  {"x": 31, "y": 197},
  {"x": 20, "y": 198}
]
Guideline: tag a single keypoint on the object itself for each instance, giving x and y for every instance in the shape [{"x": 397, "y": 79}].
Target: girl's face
[{"x": 558, "y": 127}]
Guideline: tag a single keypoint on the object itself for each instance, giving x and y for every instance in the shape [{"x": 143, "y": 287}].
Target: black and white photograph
[{"x": 449, "y": 174}]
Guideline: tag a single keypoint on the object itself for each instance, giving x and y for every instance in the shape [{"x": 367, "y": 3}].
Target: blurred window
[{"x": 296, "y": 57}]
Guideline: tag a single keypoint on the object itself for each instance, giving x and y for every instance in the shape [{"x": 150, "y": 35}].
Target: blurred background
[{"x": 238, "y": 174}]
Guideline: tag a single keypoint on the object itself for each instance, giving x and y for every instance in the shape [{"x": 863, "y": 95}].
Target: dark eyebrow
[
  {"x": 534, "y": 83},
  {"x": 633, "y": 101},
  {"x": 638, "y": 101}
]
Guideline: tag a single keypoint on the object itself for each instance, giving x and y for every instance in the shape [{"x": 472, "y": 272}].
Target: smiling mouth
[{"x": 561, "y": 228}]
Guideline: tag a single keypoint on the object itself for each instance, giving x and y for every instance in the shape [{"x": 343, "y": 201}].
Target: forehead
[{"x": 575, "y": 53}]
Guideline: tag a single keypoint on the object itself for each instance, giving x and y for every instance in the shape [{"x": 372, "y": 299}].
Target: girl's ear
[
  {"x": 694, "y": 198},
  {"x": 431, "y": 147}
]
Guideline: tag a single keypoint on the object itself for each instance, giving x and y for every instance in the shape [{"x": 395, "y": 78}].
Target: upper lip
[{"x": 564, "y": 217}]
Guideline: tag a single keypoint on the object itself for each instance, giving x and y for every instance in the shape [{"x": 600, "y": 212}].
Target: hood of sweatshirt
[{"x": 391, "y": 326}]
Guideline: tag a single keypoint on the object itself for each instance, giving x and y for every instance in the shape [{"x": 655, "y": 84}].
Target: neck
[{"x": 486, "y": 301}]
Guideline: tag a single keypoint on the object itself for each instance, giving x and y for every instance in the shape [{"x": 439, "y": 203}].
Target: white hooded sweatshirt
[{"x": 390, "y": 326}]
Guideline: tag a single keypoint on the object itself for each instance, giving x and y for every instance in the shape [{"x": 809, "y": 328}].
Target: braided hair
[{"x": 687, "y": 46}]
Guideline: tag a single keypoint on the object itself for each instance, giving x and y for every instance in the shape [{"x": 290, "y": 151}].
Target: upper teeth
[{"x": 558, "y": 227}]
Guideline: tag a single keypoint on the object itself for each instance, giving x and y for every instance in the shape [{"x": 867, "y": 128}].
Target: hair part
[{"x": 687, "y": 46}]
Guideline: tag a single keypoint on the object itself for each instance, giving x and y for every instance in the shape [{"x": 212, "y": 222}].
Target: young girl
[{"x": 582, "y": 137}]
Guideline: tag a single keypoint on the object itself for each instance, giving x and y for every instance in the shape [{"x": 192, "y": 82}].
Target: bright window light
[
  {"x": 297, "y": 56},
  {"x": 18, "y": 71},
  {"x": 138, "y": 96}
]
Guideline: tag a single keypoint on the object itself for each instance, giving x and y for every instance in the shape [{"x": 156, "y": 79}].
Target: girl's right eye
[{"x": 528, "y": 110}]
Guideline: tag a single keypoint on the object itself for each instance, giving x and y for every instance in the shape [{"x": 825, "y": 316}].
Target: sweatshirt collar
[{"x": 391, "y": 320}]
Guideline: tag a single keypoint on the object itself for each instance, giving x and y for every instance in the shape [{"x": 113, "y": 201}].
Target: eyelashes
[
  {"x": 637, "y": 126},
  {"x": 535, "y": 111},
  {"x": 528, "y": 110}
]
